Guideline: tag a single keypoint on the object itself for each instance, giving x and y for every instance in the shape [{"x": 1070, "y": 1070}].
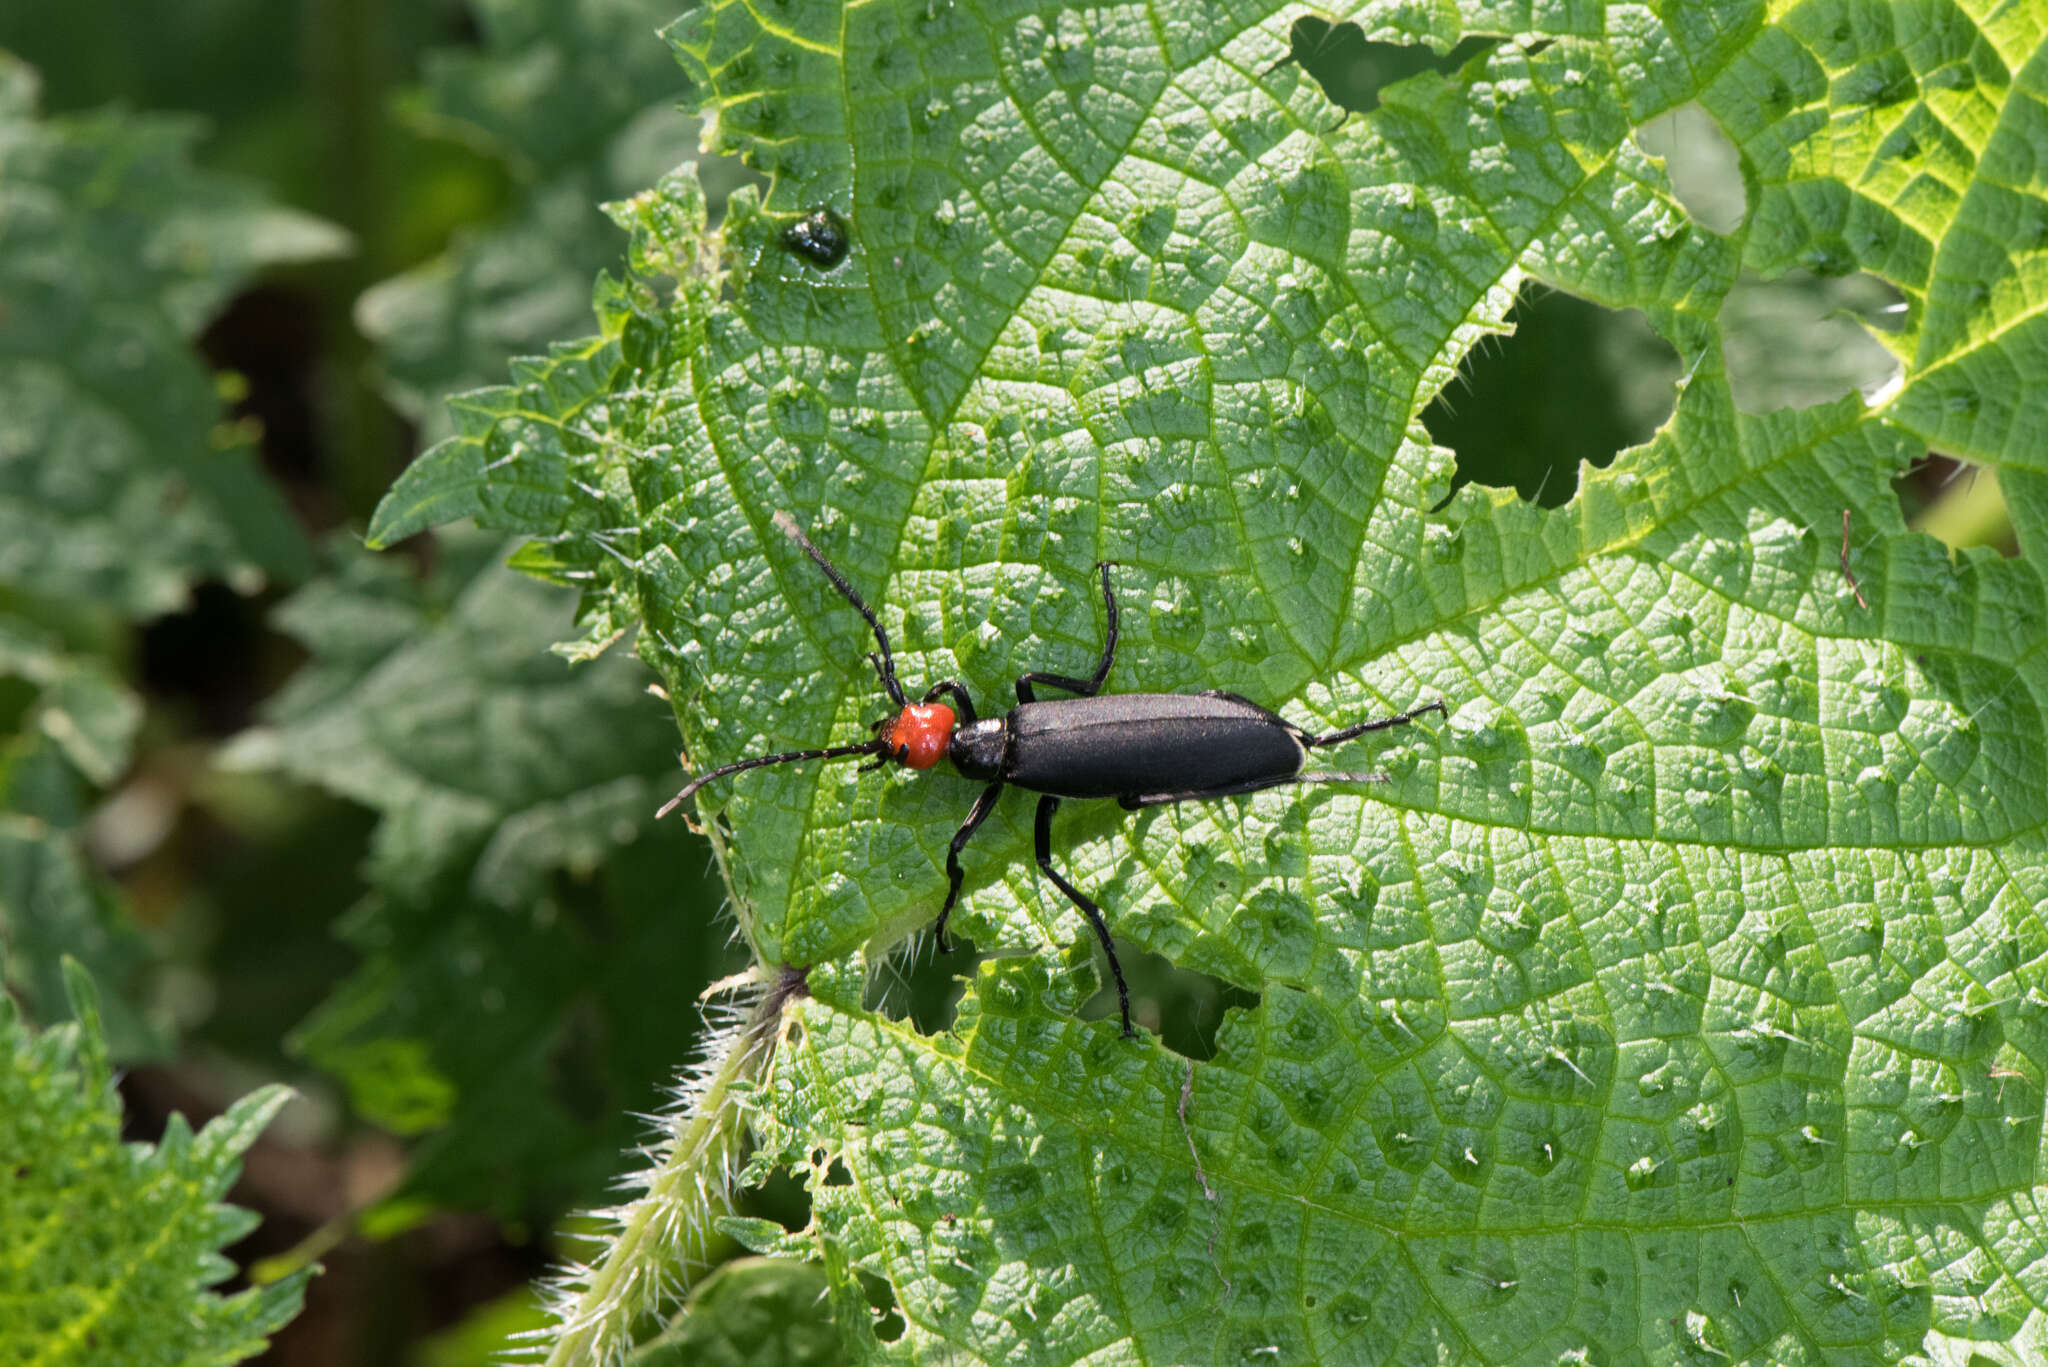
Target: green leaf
[
  {"x": 119, "y": 479},
  {"x": 529, "y": 921},
  {"x": 109, "y": 1249},
  {"x": 80, "y": 706},
  {"x": 72, "y": 732},
  {"x": 1679, "y": 997},
  {"x": 435, "y": 490},
  {"x": 756, "y": 1312}
]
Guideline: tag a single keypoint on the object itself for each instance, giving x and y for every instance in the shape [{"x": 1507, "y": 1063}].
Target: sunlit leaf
[
  {"x": 110, "y": 1250},
  {"x": 1678, "y": 997}
]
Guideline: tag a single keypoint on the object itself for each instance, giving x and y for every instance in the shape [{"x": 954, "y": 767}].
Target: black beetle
[
  {"x": 819, "y": 237},
  {"x": 1143, "y": 749}
]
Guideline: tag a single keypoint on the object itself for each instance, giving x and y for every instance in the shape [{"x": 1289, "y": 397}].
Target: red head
[{"x": 918, "y": 736}]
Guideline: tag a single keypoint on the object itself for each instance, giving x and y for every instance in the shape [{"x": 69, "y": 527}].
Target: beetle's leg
[
  {"x": 1084, "y": 688},
  {"x": 1079, "y": 687},
  {"x": 983, "y": 805},
  {"x": 1043, "y": 835},
  {"x": 1132, "y": 802},
  {"x": 963, "y": 706},
  {"x": 1398, "y": 719}
]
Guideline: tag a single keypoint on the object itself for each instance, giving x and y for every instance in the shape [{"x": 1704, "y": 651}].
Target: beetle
[
  {"x": 1143, "y": 749},
  {"x": 819, "y": 237}
]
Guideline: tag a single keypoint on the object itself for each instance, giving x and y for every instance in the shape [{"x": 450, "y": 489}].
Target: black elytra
[{"x": 1143, "y": 749}]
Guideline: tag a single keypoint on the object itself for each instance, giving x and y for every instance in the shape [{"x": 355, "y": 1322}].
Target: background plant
[{"x": 1704, "y": 920}]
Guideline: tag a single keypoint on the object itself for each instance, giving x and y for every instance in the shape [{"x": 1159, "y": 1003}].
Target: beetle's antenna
[
  {"x": 870, "y": 747},
  {"x": 1398, "y": 719},
  {"x": 885, "y": 663}
]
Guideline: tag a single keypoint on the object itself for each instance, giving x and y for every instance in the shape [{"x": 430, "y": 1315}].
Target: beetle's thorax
[{"x": 980, "y": 750}]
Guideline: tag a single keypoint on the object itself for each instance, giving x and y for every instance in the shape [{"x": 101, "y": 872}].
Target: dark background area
[{"x": 328, "y": 106}]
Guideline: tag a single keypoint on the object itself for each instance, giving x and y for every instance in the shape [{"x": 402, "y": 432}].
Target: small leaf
[
  {"x": 108, "y": 1249},
  {"x": 444, "y": 485},
  {"x": 753, "y": 1234}
]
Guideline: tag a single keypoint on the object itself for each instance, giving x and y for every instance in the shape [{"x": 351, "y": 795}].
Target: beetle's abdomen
[{"x": 1133, "y": 744}]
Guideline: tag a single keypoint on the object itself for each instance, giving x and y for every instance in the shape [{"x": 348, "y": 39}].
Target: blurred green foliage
[
  {"x": 526, "y": 943},
  {"x": 121, "y": 487},
  {"x": 528, "y": 922},
  {"x": 750, "y": 1312},
  {"x": 66, "y": 727}
]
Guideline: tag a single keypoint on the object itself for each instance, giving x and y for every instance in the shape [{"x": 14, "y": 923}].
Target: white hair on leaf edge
[{"x": 646, "y": 1248}]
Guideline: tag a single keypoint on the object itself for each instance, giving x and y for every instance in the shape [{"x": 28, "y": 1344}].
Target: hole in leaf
[
  {"x": 1804, "y": 339},
  {"x": 888, "y": 1323},
  {"x": 1959, "y": 505},
  {"x": 1574, "y": 382},
  {"x": 779, "y": 1197},
  {"x": 1183, "y": 1007},
  {"x": 1704, "y": 167},
  {"x": 836, "y": 1175},
  {"x": 1353, "y": 69},
  {"x": 920, "y": 985}
]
